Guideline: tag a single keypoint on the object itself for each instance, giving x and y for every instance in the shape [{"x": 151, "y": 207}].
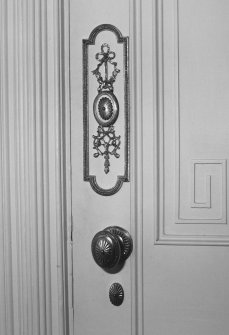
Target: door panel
[
  {"x": 176, "y": 202},
  {"x": 185, "y": 193},
  {"x": 92, "y": 212},
  {"x": 192, "y": 141}
]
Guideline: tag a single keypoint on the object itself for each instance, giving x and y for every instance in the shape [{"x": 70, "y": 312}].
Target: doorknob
[{"x": 111, "y": 247}]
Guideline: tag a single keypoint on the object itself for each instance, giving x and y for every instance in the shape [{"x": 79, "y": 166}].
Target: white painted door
[{"x": 175, "y": 205}]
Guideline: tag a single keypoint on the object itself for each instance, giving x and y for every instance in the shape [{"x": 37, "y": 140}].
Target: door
[{"x": 167, "y": 186}]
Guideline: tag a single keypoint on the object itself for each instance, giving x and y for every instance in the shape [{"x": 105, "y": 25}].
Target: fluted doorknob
[{"x": 111, "y": 247}]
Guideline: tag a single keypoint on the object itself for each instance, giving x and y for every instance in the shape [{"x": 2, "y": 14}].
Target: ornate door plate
[{"x": 103, "y": 72}]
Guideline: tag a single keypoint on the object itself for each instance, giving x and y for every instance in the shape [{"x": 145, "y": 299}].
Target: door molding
[{"x": 35, "y": 191}]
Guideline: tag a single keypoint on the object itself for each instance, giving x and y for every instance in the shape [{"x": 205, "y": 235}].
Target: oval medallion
[{"x": 106, "y": 109}]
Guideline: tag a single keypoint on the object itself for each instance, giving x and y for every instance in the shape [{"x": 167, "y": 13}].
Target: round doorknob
[
  {"x": 106, "y": 249},
  {"x": 111, "y": 247}
]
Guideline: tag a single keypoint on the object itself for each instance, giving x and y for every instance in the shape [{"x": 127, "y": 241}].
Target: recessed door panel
[{"x": 193, "y": 136}]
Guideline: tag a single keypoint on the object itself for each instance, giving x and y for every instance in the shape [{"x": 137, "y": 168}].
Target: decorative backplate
[
  {"x": 116, "y": 294},
  {"x": 106, "y": 143}
]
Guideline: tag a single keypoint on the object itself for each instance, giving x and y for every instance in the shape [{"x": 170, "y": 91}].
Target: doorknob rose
[{"x": 111, "y": 247}]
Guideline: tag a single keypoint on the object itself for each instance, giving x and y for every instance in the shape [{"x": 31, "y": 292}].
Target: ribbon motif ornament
[{"x": 106, "y": 108}]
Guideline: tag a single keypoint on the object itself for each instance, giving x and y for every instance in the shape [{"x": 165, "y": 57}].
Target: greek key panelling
[{"x": 191, "y": 153}]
